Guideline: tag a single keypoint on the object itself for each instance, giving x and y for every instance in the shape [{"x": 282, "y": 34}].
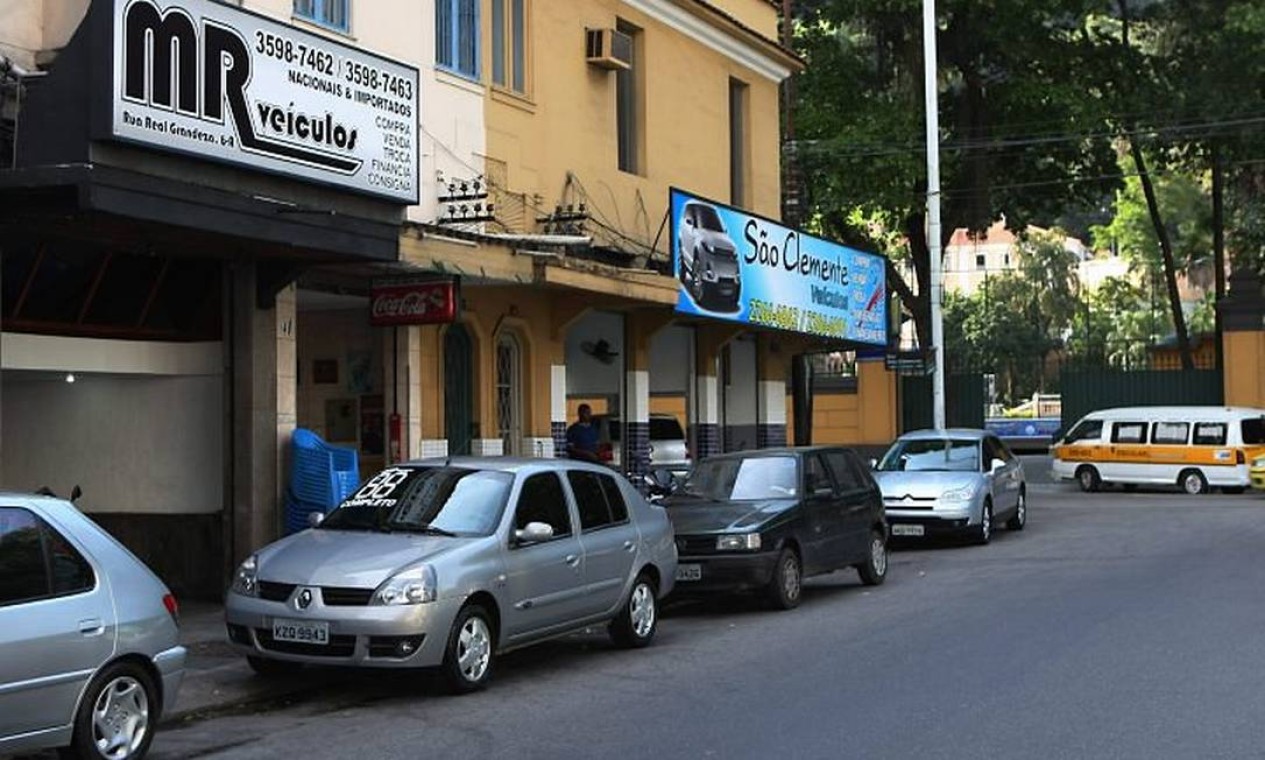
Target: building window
[
  {"x": 330, "y": 13},
  {"x": 980, "y": 261},
  {"x": 509, "y": 395},
  {"x": 628, "y": 110},
  {"x": 509, "y": 44},
  {"x": 738, "y": 109},
  {"x": 457, "y": 36}
]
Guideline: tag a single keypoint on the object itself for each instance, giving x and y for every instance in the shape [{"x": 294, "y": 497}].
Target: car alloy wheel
[
  {"x": 117, "y": 715},
  {"x": 786, "y": 586},
  {"x": 874, "y": 570},
  {"x": 984, "y": 533},
  {"x": 1020, "y": 517},
  {"x": 636, "y": 623},
  {"x": 1193, "y": 482},
  {"x": 1088, "y": 479},
  {"x": 468, "y": 658}
]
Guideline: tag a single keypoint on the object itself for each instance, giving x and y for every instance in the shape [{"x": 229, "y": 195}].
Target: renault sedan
[
  {"x": 89, "y": 646},
  {"x": 449, "y": 562},
  {"x": 764, "y": 520},
  {"x": 956, "y": 481}
]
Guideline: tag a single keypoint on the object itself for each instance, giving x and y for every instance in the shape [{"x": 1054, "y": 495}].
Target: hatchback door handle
[
  {"x": 91, "y": 627},
  {"x": 572, "y": 559}
]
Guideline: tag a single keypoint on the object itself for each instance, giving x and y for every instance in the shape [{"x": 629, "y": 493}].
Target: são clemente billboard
[{"x": 743, "y": 268}]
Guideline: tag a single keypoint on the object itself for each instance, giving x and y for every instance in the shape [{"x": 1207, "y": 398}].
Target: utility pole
[{"x": 933, "y": 208}]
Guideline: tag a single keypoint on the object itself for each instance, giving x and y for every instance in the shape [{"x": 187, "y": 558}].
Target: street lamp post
[{"x": 933, "y": 209}]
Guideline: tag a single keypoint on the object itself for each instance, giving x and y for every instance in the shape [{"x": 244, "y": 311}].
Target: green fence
[
  {"x": 963, "y": 402},
  {"x": 1085, "y": 391}
]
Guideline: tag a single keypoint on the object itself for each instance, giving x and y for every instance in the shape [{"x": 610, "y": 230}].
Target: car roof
[
  {"x": 775, "y": 452},
  {"x": 930, "y": 434},
  {"x": 507, "y": 464}
]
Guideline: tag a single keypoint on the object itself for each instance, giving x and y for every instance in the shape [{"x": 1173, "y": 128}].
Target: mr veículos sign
[{"x": 203, "y": 78}]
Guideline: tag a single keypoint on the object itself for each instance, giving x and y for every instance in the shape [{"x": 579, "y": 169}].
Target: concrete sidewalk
[{"x": 217, "y": 678}]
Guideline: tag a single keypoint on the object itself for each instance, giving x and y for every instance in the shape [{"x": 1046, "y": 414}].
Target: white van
[{"x": 1192, "y": 447}]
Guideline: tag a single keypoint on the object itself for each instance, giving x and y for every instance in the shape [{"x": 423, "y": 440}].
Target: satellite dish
[{"x": 600, "y": 350}]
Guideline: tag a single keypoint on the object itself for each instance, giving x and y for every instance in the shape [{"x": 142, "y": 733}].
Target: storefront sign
[
  {"x": 743, "y": 268},
  {"x": 208, "y": 79},
  {"x": 424, "y": 302}
]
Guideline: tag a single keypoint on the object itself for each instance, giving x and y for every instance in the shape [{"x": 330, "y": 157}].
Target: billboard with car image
[{"x": 739, "y": 267}]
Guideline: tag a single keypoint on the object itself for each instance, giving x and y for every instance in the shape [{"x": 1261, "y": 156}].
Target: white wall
[
  {"x": 586, "y": 376},
  {"x": 134, "y": 443},
  {"x": 670, "y": 360},
  {"x": 740, "y": 392}
]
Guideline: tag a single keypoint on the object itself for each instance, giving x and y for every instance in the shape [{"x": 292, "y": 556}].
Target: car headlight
[
  {"x": 413, "y": 586},
  {"x": 959, "y": 494},
  {"x": 745, "y": 542},
  {"x": 246, "y": 582},
  {"x": 1258, "y": 462}
]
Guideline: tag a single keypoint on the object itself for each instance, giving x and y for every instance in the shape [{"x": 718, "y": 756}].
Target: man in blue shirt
[{"x": 582, "y": 436}]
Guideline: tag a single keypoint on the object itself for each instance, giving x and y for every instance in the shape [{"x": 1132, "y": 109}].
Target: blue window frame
[
  {"x": 457, "y": 36},
  {"x": 330, "y": 13}
]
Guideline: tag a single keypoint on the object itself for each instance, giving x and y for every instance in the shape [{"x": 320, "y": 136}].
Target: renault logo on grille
[{"x": 304, "y": 599}]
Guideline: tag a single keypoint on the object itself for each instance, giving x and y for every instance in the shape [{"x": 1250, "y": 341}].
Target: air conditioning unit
[{"x": 608, "y": 48}]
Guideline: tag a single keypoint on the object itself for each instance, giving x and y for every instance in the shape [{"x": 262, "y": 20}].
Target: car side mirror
[
  {"x": 996, "y": 465},
  {"x": 873, "y": 463},
  {"x": 75, "y": 493},
  {"x": 534, "y": 533},
  {"x": 314, "y": 519}
]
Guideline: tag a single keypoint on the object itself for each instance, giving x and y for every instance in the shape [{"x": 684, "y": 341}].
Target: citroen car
[
  {"x": 447, "y": 563},
  {"x": 89, "y": 642},
  {"x": 761, "y": 521},
  {"x": 708, "y": 259},
  {"x": 956, "y": 481}
]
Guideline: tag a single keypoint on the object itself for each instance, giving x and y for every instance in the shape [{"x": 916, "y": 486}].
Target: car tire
[
  {"x": 638, "y": 620},
  {"x": 117, "y": 715},
  {"x": 787, "y": 584},
  {"x": 1020, "y": 517},
  {"x": 1192, "y": 482},
  {"x": 469, "y": 654},
  {"x": 1088, "y": 479},
  {"x": 873, "y": 570},
  {"x": 272, "y": 668},
  {"x": 984, "y": 531}
]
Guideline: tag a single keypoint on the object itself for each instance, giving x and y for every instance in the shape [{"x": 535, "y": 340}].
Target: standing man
[{"x": 582, "y": 436}]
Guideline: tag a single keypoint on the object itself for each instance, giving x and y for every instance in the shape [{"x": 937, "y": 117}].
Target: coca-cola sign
[{"x": 413, "y": 303}]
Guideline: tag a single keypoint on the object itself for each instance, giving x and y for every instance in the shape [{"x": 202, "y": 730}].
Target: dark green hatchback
[{"x": 764, "y": 520}]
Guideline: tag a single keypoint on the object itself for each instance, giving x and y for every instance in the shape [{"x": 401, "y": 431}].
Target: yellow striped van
[{"x": 1192, "y": 447}]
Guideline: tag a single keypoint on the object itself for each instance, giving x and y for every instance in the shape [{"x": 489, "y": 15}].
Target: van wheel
[
  {"x": 1088, "y": 478},
  {"x": 1193, "y": 482}
]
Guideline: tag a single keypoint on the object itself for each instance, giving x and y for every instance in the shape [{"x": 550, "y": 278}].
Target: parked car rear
[
  {"x": 89, "y": 644},
  {"x": 668, "y": 449}
]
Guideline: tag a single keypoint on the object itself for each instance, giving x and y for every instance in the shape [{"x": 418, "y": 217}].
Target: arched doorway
[
  {"x": 509, "y": 393},
  {"x": 458, "y": 390}
]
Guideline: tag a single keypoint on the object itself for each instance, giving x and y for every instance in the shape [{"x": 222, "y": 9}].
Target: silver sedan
[
  {"x": 958, "y": 481},
  {"x": 89, "y": 646},
  {"x": 449, "y": 562}
]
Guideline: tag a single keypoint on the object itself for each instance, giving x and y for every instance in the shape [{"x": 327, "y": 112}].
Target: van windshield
[{"x": 1090, "y": 430}]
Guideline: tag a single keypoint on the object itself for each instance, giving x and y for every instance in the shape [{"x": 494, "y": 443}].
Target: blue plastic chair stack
[{"x": 320, "y": 478}]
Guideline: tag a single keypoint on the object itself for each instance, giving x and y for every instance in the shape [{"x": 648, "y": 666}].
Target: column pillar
[
  {"x": 402, "y": 363},
  {"x": 704, "y": 433},
  {"x": 263, "y": 413},
  {"x": 430, "y": 392},
  {"x": 639, "y": 327},
  {"x": 771, "y": 369},
  {"x": 564, "y": 313}
]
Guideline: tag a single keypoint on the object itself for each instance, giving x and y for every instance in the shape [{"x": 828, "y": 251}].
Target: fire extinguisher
[{"x": 394, "y": 436}]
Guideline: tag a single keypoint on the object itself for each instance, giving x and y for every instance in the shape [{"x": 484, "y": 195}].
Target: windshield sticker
[{"x": 383, "y": 490}]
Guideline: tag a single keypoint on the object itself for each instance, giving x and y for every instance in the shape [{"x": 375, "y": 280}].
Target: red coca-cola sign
[{"x": 413, "y": 303}]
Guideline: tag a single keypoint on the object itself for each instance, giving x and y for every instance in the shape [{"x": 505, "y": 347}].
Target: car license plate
[
  {"x": 907, "y": 530},
  {"x": 300, "y": 631},
  {"x": 689, "y": 572}
]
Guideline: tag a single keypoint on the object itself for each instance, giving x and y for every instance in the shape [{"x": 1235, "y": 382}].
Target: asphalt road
[{"x": 1118, "y": 625}]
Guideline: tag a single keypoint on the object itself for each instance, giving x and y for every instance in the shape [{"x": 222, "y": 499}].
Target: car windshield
[
  {"x": 708, "y": 219},
  {"x": 743, "y": 479},
  {"x": 924, "y": 454},
  {"x": 440, "y": 500}
]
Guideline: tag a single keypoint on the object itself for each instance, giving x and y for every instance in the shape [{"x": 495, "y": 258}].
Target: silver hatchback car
[
  {"x": 960, "y": 481},
  {"x": 89, "y": 645},
  {"x": 448, "y": 562}
]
